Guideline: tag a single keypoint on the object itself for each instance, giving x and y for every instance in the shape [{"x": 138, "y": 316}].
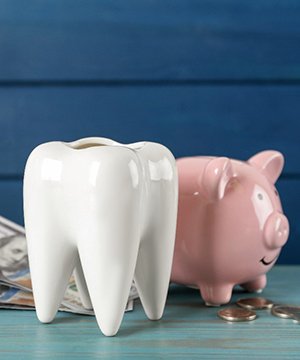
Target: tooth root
[
  {"x": 108, "y": 251},
  {"x": 152, "y": 274},
  {"x": 82, "y": 286},
  {"x": 109, "y": 277},
  {"x": 51, "y": 262},
  {"x": 153, "y": 269}
]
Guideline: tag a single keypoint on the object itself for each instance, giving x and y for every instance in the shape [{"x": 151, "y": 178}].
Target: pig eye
[
  {"x": 276, "y": 192},
  {"x": 260, "y": 196}
]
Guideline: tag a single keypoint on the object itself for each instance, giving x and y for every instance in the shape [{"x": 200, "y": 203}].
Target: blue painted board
[
  {"x": 203, "y": 77},
  {"x": 190, "y": 120},
  {"x": 289, "y": 190},
  {"x": 188, "y": 330},
  {"x": 149, "y": 40},
  {"x": 11, "y": 200},
  {"x": 11, "y": 206}
]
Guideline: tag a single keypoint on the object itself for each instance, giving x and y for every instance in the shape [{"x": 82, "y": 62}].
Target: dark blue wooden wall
[{"x": 203, "y": 77}]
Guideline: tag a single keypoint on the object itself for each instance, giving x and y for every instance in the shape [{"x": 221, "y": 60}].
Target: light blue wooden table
[{"x": 187, "y": 330}]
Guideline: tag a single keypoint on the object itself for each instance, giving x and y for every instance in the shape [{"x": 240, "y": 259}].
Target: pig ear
[
  {"x": 216, "y": 176},
  {"x": 269, "y": 162}
]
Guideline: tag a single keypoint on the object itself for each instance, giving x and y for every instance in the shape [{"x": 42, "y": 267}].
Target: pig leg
[
  {"x": 256, "y": 285},
  {"x": 215, "y": 295}
]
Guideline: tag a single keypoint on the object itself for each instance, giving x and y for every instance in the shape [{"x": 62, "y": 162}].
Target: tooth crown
[{"x": 109, "y": 211}]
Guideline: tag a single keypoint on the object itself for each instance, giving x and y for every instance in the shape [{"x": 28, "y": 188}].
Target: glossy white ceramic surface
[{"x": 109, "y": 211}]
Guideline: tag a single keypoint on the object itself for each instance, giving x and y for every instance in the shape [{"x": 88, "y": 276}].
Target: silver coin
[
  {"x": 236, "y": 314},
  {"x": 287, "y": 312},
  {"x": 257, "y": 303}
]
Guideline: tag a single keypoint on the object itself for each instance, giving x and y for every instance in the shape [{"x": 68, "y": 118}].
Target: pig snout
[{"x": 276, "y": 230}]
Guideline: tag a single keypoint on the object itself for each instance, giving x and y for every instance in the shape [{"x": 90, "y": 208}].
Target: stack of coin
[
  {"x": 247, "y": 307},
  {"x": 245, "y": 312},
  {"x": 287, "y": 312},
  {"x": 236, "y": 314},
  {"x": 257, "y": 303}
]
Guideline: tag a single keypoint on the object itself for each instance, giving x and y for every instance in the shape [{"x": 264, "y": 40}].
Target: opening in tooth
[
  {"x": 86, "y": 146},
  {"x": 90, "y": 142},
  {"x": 97, "y": 142}
]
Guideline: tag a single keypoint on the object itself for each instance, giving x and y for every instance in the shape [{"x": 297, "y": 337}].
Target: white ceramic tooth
[
  {"x": 115, "y": 205},
  {"x": 155, "y": 258},
  {"x": 52, "y": 256}
]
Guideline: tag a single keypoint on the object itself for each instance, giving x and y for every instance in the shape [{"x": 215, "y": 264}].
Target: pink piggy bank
[{"x": 230, "y": 226}]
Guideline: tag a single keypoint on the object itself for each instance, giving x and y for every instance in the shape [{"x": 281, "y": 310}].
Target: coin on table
[
  {"x": 236, "y": 314},
  {"x": 286, "y": 312},
  {"x": 278, "y": 311},
  {"x": 257, "y": 303}
]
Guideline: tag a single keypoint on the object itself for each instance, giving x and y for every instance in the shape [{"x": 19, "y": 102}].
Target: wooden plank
[
  {"x": 11, "y": 204},
  {"x": 191, "y": 120},
  {"x": 154, "y": 40},
  {"x": 188, "y": 330},
  {"x": 289, "y": 189}
]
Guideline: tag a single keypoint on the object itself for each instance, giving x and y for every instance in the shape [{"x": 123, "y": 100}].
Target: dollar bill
[
  {"x": 15, "y": 281},
  {"x": 13, "y": 298},
  {"x": 14, "y": 268}
]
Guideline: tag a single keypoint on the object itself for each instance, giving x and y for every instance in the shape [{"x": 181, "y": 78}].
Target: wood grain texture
[
  {"x": 11, "y": 206},
  {"x": 187, "y": 330},
  {"x": 149, "y": 40},
  {"x": 11, "y": 200},
  {"x": 203, "y": 77},
  {"x": 191, "y": 120},
  {"x": 289, "y": 190}
]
